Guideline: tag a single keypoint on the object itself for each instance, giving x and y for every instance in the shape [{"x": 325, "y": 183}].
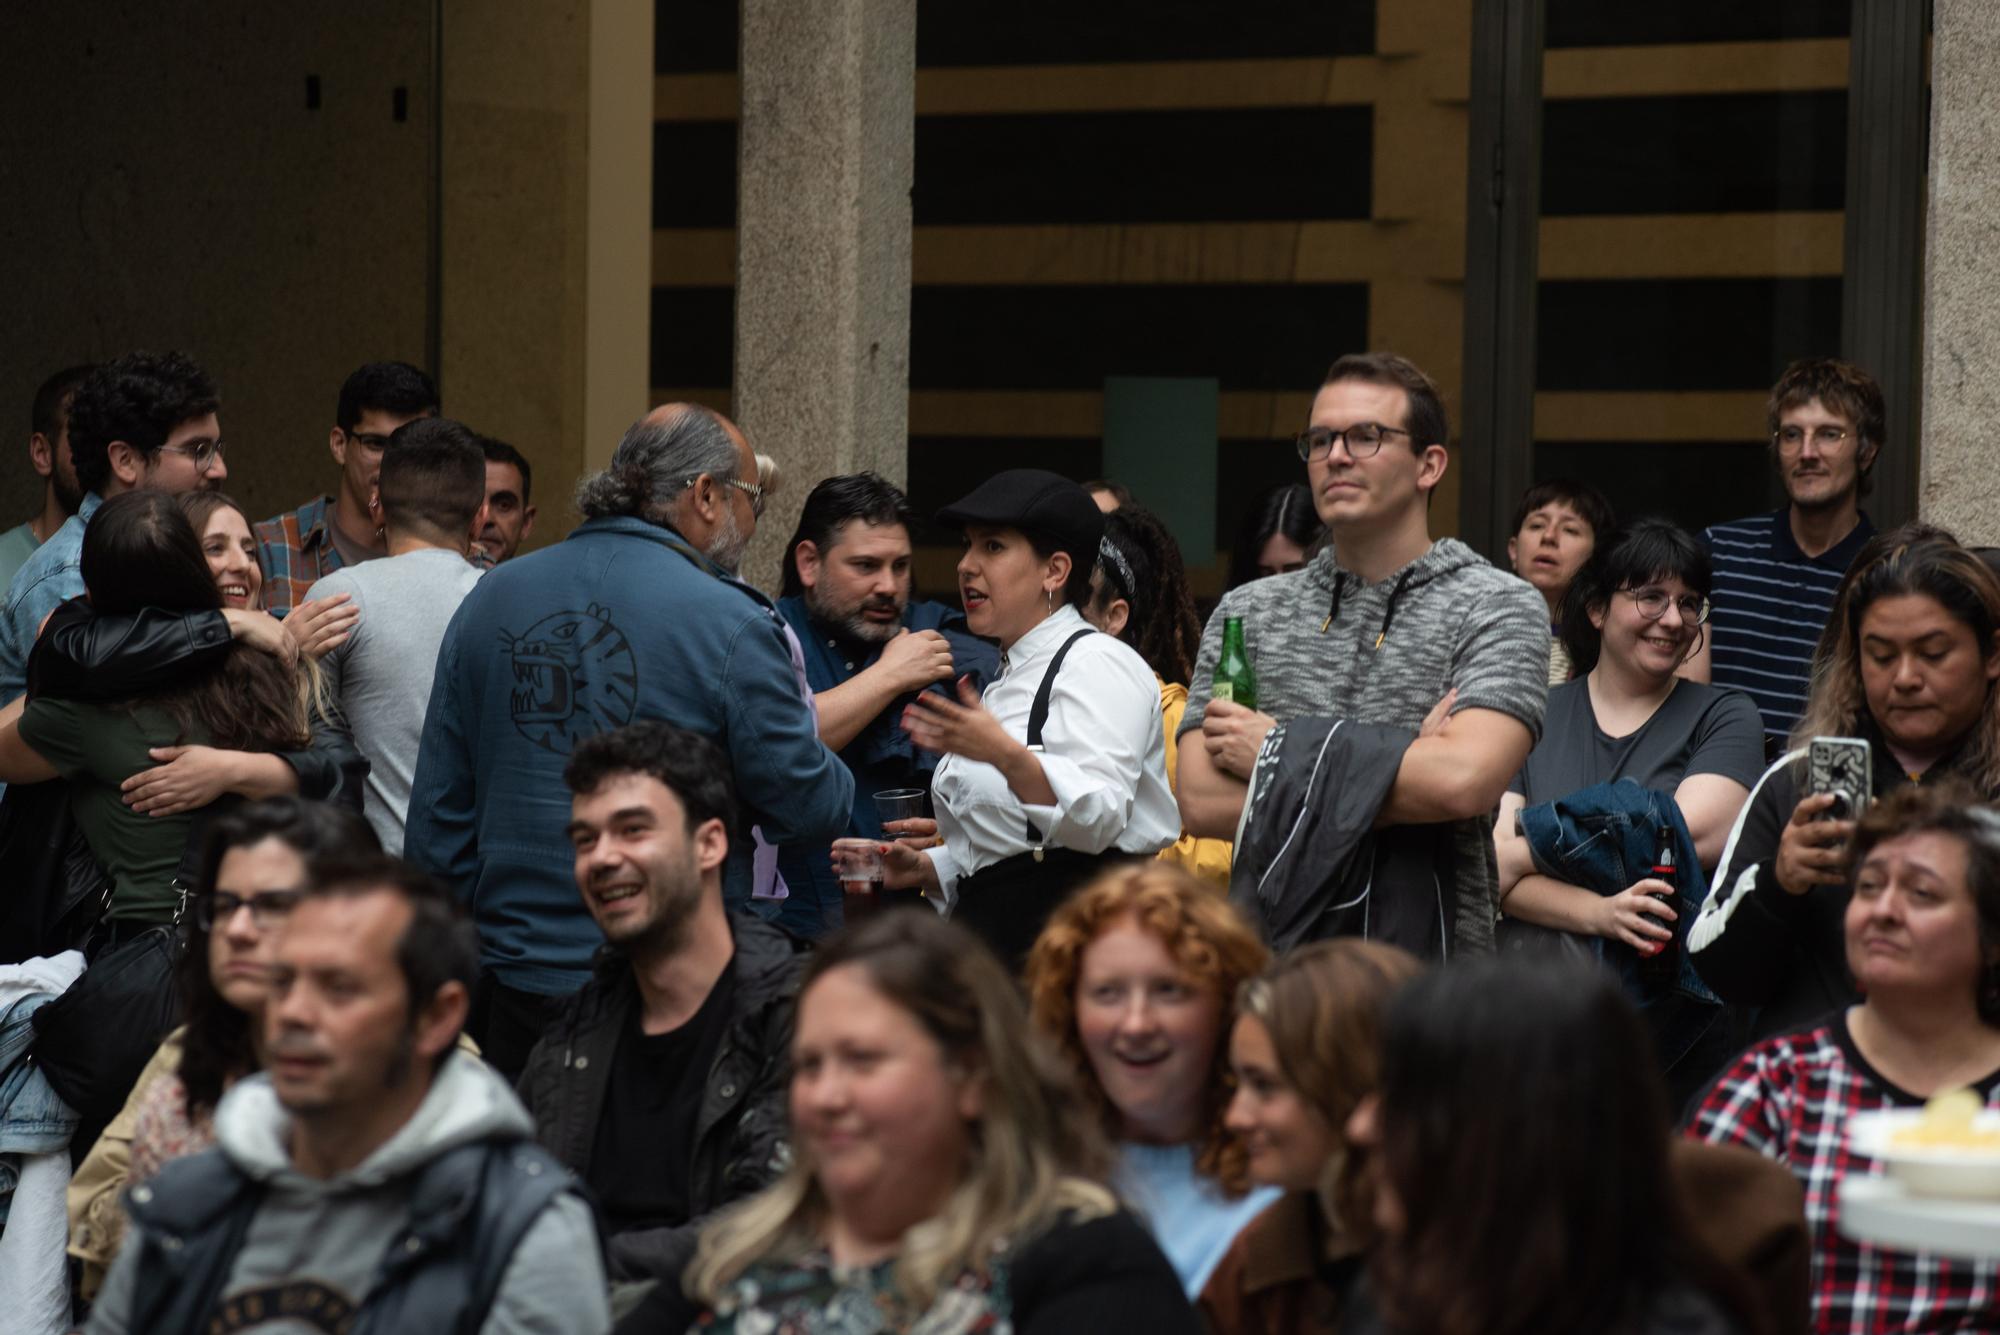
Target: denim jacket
[{"x": 1606, "y": 837}]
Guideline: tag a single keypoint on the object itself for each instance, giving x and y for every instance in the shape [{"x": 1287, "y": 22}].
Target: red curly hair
[{"x": 1206, "y": 937}]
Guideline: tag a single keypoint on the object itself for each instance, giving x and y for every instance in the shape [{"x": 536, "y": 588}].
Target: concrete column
[
  {"x": 1960, "y": 487},
  {"x": 822, "y": 368}
]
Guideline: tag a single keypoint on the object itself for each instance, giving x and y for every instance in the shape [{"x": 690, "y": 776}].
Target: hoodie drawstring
[
  {"x": 1389, "y": 613},
  {"x": 1339, "y": 583}
]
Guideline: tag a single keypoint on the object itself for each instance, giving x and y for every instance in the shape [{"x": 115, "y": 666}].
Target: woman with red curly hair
[{"x": 1135, "y": 978}]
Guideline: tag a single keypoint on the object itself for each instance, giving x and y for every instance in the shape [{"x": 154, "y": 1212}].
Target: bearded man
[
  {"x": 637, "y": 614},
  {"x": 869, "y": 649}
]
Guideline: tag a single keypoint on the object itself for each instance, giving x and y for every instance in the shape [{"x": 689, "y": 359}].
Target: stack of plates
[{"x": 1935, "y": 1199}]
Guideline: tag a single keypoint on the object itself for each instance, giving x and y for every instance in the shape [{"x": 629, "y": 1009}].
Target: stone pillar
[
  {"x": 822, "y": 368},
  {"x": 1960, "y": 487}
]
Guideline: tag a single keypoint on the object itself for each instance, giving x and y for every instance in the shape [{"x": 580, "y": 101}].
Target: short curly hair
[
  {"x": 1207, "y": 938},
  {"x": 138, "y": 398}
]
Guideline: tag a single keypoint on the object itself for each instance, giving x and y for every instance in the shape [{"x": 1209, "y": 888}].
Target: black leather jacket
[
  {"x": 742, "y": 1134},
  {"x": 92, "y": 658}
]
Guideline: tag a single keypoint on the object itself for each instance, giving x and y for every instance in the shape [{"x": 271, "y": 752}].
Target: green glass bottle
[{"x": 1234, "y": 679}]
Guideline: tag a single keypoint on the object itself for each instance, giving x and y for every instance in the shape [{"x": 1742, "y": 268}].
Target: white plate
[
  {"x": 1877, "y": 1210},
  {"x": 1967, "y": 1174}
]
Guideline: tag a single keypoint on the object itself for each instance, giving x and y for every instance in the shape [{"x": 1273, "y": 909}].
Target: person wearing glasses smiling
[
  {"x": 1633, "y": 616},
  {"x": 144, "y": 420},
  {"x": 1388, "y": 629},
  {"x": 1776, "y": 574},
  {"x": 638, "y": 614}
]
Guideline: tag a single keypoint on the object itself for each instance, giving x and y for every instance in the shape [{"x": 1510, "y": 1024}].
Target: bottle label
[{"x": 1223, "y": 690}]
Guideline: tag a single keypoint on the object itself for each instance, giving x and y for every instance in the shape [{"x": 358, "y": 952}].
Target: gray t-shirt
[
  {"x": 1387, "y": 653},
  {"x": 381, "y": 678},
  {"x": 1698, "y": 729}
]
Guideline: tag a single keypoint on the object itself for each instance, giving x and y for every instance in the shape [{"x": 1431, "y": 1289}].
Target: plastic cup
[
  {"x": 858, "y": 864},
  {"x": 899, "y": 804}
]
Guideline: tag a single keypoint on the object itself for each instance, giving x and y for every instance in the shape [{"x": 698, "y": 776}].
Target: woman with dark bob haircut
[
  {"x": 1635, "y": 615},
  {"x": 1277, "y": 534},
  {"x": 254, "y": 865},
  {"x": 1523, "y": 1179}
]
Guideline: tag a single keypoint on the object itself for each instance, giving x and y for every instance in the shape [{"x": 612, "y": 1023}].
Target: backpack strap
[{"x": 1038, "y": 715}]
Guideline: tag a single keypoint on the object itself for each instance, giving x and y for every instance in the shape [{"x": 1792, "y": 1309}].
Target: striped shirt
[{"x": 1770, "y": 603}]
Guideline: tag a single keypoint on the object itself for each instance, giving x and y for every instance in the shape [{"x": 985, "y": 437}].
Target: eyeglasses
[
  {"x": 1652, "y": 605},
  {"x": 202, "y": 454},
  {"x": 267, "y": 908},
  {"x": 1363, "y": 439},
  {"x": 368, "y": 438},
  {"x": 754, "y": 490},
  {"x": 1825, "y": 437}
]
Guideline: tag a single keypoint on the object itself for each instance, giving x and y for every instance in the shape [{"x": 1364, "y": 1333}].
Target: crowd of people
[{"x": 406, "y": 931}]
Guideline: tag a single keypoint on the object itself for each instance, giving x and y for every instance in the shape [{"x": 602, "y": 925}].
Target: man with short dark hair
[
  {"x": 303, "y": 546},
  {"x": 372, "y": 1176},
  {"x": 869, "y": 648},
  {"x": 662, "y": 1083},
  {"x": 48, "y": 453},
  {"x": 510, "y": 512},
  {"x": 430, "y": 498},
  {"x": 1557, "y": 525},
  {"x": 1776, "y": 575},
  {"x": 1438, "y": 657},
  {"x": 638, "y": 614},
  {"x": 143, "y": 420}
]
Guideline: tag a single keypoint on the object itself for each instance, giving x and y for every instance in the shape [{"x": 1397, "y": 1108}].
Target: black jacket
[
  {"x": 741, "y": 1133},
  {"x": 1759, "y": 947},
  {"x": 84, "y": 656}
]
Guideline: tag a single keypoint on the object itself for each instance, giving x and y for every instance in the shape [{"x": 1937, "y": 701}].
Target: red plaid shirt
[
  {"x": 1789, "y": 1099},
  {"x": 296, "y": 550}
]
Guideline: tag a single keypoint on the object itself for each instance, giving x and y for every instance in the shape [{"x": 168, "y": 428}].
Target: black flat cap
[{"x": 1042, "y": 504}]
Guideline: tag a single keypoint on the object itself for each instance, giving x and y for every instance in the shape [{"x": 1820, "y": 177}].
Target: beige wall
[{"x": 166, "y": 186}]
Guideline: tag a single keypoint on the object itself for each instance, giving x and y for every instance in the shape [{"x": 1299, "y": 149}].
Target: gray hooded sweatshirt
[
  {"x": 315, "y": 1245},
  {"x": 1326, "y": 645}
]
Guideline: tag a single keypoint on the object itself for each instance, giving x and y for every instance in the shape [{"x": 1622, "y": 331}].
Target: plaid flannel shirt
[
  {"x": 297, "y": 550},
  {"x": 1789, "y": 1098}
]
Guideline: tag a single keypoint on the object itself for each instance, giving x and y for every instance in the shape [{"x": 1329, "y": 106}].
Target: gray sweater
[{"x": 1325, "y": 645}]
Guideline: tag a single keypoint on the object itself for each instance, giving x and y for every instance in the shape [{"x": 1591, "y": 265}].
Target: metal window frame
[{"x": 1883, "y": 241}]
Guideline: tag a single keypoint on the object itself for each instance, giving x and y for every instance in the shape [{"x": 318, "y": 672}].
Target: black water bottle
[{"x": 1663, "y": 964}]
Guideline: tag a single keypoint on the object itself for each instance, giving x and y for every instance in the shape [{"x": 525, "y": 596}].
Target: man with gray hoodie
[
  {"x": 1384, "y": 627},
  {"x": 373, "y": 1178}
]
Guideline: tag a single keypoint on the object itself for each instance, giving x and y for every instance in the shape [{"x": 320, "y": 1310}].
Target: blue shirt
[
  {"x": 880, "y": 757},
  {"x": 1187, "y": 1214},
  {"x": 620, "y": 621},
  {"x": 49, "y": 578},
  {"x": 1771, "y": 601}
]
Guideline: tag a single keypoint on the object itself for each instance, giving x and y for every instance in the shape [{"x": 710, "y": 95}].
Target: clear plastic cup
[{"x": 899, "y": 804}]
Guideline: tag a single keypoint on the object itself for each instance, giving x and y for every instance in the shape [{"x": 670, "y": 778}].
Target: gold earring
[{"x": 1051, "y": 594}]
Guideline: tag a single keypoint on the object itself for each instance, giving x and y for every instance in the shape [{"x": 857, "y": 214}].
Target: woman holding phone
[
  {"x": 1907, "y": 666},
  {"x": 1060, "y": 766}
]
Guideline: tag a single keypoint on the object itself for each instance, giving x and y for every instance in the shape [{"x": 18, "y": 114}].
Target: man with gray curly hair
[{"x": 638, "y": 614}]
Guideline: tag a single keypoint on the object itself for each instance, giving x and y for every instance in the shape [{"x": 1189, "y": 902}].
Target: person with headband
[{"x": 1060, "y": 766}]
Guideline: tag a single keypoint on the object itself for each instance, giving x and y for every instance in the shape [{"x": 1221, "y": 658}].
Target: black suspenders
[{"x": 1038, "y": 714}]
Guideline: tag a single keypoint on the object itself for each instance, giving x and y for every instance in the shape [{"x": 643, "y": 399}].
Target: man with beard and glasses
[
  {"x": 638, "y": 614},
  {"x": 373, "y": 1176},
  {"x": 869, "y": 649},
  {"x": 1776, "y": 574},
  {"x": 48, "y": 451},
  {"x": 662, "y": 1082}
]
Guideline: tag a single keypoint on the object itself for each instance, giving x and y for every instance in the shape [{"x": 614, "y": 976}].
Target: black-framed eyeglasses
[
  {"x": 1363, "y": 439},
  {"x": 1652, "y": 605},
  {"x": 369, "y": 438},
  {"x": 267, "y": 908},
  {"x": 202, "y": 454},
  {"x": 1825, "y": 437}
]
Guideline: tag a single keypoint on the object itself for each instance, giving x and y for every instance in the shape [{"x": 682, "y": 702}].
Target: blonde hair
[
  {"x": 1035, "y": 1154},
  {"x": 1914, "y": 560},
  {"x": 1208, "y": 940}
]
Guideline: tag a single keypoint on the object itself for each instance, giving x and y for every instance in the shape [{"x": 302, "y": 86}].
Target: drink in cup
[{"x": 858, "y": 864}]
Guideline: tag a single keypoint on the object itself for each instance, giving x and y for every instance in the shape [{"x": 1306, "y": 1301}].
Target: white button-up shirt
[{"x": 1103, "y": 752}]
